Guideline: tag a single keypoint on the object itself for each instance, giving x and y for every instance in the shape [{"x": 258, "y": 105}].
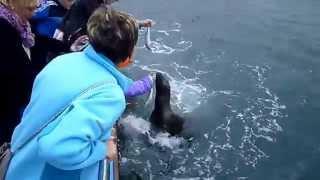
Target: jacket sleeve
[
  {"x": 52, "y": 45},
  {"x": 140, "y": 87},
  {"x": 79, "y": 138},
  {"x": 41, "y": 14}
]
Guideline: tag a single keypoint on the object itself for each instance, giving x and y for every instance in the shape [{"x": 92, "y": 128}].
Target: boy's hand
[{"x": 112, "y": 149}]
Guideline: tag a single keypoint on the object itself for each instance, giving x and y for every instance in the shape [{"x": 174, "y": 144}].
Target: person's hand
[
  {"x": 112, "y": 149},
  {"x": 80, "y": 43},
  {"x": 146, "y": 23}
]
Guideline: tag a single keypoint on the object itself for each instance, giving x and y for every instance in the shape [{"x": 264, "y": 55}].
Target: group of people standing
[{"x": 62, "y": 88}]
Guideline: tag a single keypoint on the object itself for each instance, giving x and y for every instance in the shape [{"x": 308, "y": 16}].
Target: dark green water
[{"x": 246, "y": 75}]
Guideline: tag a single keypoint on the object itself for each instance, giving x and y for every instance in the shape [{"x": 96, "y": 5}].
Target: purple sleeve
[{"x": 140, "y": 87}]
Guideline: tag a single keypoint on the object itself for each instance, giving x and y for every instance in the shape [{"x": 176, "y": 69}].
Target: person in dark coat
[
  {"x": 44, "y": 22},
  {"x": 48, "y": 16},
  {"x": 75, "y": 21},
  {"x": 17, "y": 68}
]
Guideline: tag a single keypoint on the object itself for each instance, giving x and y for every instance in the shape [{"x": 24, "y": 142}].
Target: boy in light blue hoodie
[{"x": 73, "y": 146}]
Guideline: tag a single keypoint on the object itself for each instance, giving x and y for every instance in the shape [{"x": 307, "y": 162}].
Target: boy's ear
[{"x": 125, "y": 62}]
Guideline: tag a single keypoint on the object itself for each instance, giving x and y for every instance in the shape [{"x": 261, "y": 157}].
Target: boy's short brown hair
[{"x": 112, "y": 33}]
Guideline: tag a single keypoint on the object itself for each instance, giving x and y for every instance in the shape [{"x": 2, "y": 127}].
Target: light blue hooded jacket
[{"x": 73, "y": 146}]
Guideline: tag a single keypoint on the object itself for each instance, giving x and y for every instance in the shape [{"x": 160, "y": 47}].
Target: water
[{"x": 245, "y": 75}]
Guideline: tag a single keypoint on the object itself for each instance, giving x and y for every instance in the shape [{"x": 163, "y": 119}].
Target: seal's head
[{"x": 162, "y": 85}]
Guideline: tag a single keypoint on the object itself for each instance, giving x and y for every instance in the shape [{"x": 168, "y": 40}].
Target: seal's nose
[{"x": 162, "y": 83}]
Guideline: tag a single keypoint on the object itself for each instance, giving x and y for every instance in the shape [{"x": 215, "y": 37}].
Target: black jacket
[
  {"x": 17, "y": 73},
  {"x": 75, "y": 21}
]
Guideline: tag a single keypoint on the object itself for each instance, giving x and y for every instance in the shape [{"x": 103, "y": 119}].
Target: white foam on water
[
  {"x": 161, "y": 48},
  {"x": 258, "y": 120},
  {"x": 138, "y": 126},
  {"x": 135, "y": 124},
  {"x": 186, "y": 93},
  {"x": 164, "y": 140}
]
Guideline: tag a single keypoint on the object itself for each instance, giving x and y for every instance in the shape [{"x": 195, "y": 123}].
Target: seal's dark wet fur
[{"x": 162, "y": 116}]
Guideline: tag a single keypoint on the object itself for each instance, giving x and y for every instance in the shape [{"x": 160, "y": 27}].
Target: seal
[{"x": 162, "y": 116}]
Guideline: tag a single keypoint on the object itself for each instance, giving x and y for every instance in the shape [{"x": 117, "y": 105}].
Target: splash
[
  {"x": 136, "y": 126},
  {"x": 187, "y": 94},
  {"x": 255, "y": 121}
]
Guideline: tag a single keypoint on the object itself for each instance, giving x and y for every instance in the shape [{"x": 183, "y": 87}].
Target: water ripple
[{"x": 229, "y": 148}]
